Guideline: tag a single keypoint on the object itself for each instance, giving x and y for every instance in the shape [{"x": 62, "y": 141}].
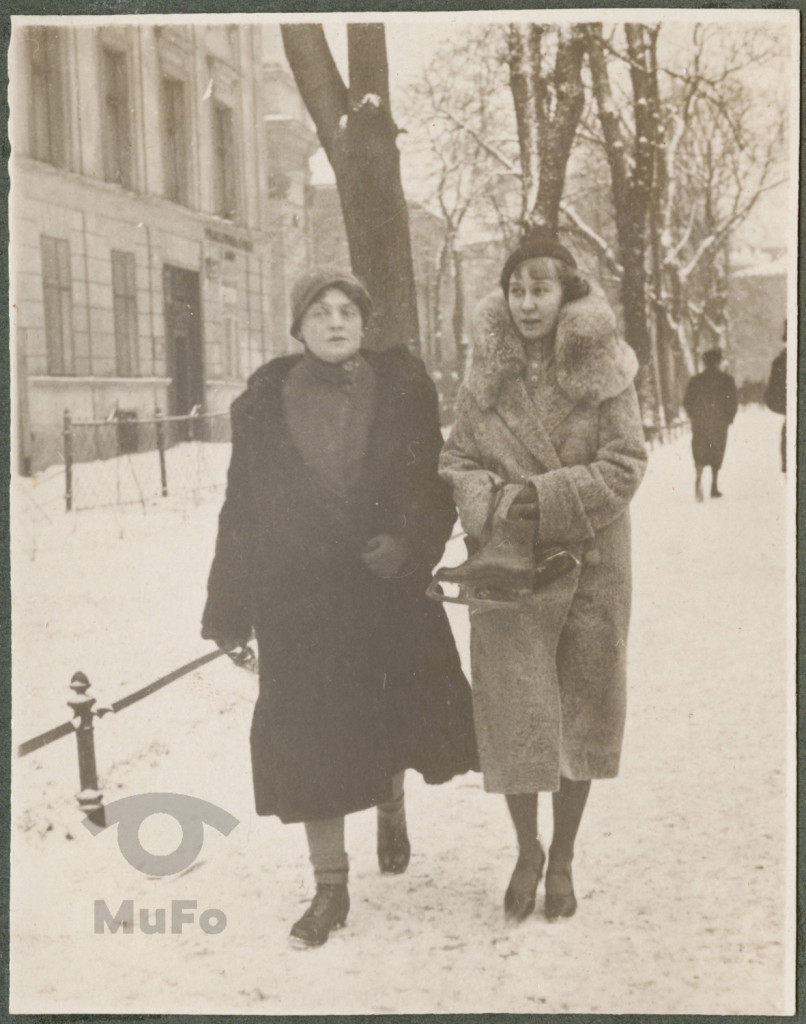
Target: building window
[
  {"x": 232, "y": 352},
  {"x": 174, "y": 143},
  {"x": 224, "y": 202},
  {"x": 117, "y": 137},
  {"x": 47, "y": 103},
  {"x": 124, "y": 292},
  {"x": 58, "y": 305}
]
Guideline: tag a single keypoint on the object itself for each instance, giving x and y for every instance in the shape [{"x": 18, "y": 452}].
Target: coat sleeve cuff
[{"x": 562, "y": 515}]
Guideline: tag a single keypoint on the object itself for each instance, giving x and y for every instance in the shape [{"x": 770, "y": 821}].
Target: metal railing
[
  {"x": 663, "y": 434},
  {"x": 126, "y": 460},
  {"x": 90, "y": 798}
]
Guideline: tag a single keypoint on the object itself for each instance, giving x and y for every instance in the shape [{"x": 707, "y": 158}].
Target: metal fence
[
  {"x": 90, "y": 798},
  {"x": 126, "y": 460},
  {"x": 663, "y": 434}
]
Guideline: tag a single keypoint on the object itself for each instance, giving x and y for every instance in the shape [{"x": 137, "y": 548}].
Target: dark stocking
[
  {"x": 523, "y": 811},
  {"x": 715, "y": 492},
  {"x": 569, "y": 803},
  {"x": 519, "y": 900}
]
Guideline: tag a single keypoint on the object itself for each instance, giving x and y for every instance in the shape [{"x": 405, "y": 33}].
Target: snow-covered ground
[{"x": 681, "y": 869}]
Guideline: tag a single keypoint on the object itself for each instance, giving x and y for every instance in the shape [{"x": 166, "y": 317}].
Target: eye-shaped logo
[{"x": 191, "y": 812}]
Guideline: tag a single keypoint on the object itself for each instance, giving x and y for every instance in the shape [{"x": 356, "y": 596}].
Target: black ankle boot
[
  {"x": 394, "y": 848},
  {"x": 328, "y": 910},
  {"x": 519, "y": 899}
]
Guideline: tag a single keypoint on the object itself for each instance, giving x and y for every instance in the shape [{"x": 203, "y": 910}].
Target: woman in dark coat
[
  {"x": 333, "y": 519},
  {"x": 547, "y": 450},
  {"x": 711, "y": 402}
]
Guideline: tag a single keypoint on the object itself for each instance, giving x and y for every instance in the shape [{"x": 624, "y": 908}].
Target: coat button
[{"x": 592, "y": 556}]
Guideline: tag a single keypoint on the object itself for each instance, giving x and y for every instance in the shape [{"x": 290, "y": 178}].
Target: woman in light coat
[{"x": 548, "y": 437}]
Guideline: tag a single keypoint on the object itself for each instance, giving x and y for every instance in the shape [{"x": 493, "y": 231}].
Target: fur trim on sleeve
[{"x": 593, "y": 363}]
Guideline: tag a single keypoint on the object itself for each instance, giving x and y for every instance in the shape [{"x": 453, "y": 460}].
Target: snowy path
[{"x": 681, "y": 864}]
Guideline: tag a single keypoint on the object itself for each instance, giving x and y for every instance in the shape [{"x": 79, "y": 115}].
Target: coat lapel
[
  {"x": 519, "y": 413},
  {"x": 555, "y": 407}
]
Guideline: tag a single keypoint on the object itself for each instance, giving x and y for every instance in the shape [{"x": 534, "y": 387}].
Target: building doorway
[{"x": 183, "y": 339}]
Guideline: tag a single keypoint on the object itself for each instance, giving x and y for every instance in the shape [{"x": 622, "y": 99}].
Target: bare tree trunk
[
  {"x": 561, "y": 99},
  {"x": 631, "y": 188},
  {"x": 525, "y": 117},
  {"x": 548, "y": 105},
  {"x": 357, "y": 132},
  {"x": 442, "y": 270},
  {"x": 458, "y": 310}
]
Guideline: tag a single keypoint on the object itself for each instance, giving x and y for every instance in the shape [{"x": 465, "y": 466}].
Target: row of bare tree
[{"x": 650, "y": 143}]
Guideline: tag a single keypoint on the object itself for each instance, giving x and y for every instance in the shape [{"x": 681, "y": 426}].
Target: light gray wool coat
[{"x": 549, "y": 674}]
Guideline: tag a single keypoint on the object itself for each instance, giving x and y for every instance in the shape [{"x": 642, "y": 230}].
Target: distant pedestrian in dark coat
[
  {"x": 775, "y": 395},
  {"x": 333, "y": 519},
  {"x": 711, "y": 402}
]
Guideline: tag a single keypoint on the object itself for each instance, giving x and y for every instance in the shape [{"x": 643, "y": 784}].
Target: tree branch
[
  {"x": 318, "y": 80},
  {"x": 599, "y": 244}
]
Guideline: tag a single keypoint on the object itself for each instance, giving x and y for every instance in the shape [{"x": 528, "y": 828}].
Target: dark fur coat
[{"x": 359, "y": 676}]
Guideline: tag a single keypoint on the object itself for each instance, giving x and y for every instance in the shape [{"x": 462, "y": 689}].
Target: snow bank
[{"x": 681, "y": 865}]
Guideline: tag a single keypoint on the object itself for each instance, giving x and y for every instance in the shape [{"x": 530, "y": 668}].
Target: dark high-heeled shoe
[
  {"x": 560, "y": 898},
  {"x": 519, "y": 899},
  {"x": 328, "y": 910},
  {"x": 394, "y": 848}
]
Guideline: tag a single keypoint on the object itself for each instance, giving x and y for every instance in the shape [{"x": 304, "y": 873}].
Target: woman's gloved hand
[
  {"x": 385, "y": 555},
  {"x": 524, "y": 504}
]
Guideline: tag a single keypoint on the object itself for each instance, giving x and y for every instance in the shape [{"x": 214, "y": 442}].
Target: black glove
[
  {"x": 386, "y": 555},
  {"x": 224, "y": 642},
  {"x": 525, "y": 505}
]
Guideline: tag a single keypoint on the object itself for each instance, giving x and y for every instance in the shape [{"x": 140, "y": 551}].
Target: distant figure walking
[
  {"x": 711, "y": 403},
  {"x": 775, "y": 395}
]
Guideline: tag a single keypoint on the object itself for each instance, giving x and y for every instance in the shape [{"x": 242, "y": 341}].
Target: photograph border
[{"x": 115, "y": 8}]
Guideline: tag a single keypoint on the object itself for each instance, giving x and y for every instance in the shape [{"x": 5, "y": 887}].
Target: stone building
[
  {"x": 158, "y": 213},
  {"x": 757, "y": 299}
]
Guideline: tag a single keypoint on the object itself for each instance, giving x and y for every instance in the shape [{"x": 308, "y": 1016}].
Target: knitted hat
[
  {"x": 310, "y": 286},
  {"x": 713, "y": 357},
  {"x": 538, "y": 242}
]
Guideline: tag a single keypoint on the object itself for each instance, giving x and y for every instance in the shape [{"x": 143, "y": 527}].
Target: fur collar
[{"x": 592, "y": 362}]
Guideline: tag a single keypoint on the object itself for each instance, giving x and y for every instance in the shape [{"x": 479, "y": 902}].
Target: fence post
[
  {"x": 67, "y": 437},
  {"x": 161, "y": 450},
  {"x": 90, "y": 799}
]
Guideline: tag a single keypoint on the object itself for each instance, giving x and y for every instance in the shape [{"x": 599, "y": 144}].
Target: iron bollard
[
  {"x": 161, "y": 450},
  {"x": 90, "y": 799},
  {"x": 67, "y": 434}
]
